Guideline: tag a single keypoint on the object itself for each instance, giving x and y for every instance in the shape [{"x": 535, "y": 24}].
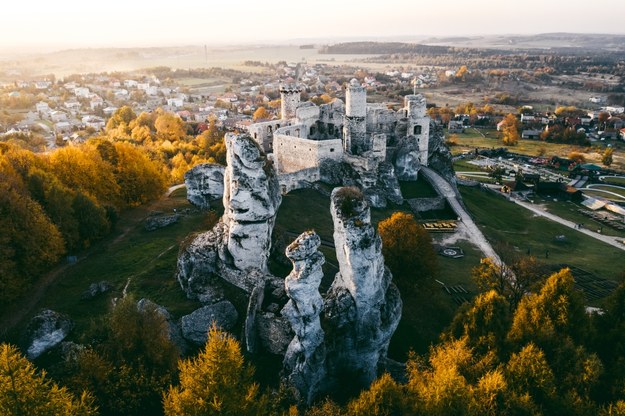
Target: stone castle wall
[
  {"x": 292, "y": 153},
  {"x": 298, "y": 180},
  {"x": 262, "y": 133}
]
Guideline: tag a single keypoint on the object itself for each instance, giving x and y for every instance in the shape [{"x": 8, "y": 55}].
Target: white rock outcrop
[
  {"x": 237, "y": 248},
  {"x": 251, "y": 201},
  {"x": 363, "y": 306},
  {"x": 304, "y": 361},
  {"x": 205, "y": 183},
  {"x": 45, "y": 331}
]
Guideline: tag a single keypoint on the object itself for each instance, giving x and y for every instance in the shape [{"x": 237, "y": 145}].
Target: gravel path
[{"x": 474, "y": 234}]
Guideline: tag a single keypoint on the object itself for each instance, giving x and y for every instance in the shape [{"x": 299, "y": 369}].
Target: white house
[
  {"x": 95, "y": 122},
  {"x": 130, "y": 83},
  {"x": 109, "y": 110},
  {"x": 42, "y": 107},
  {"x": 72, "y": 105},
  {"x": 175, "y": 102},
  {"x": 57, "y": 116},
  {"x": 63, "y": 127},
  {"x": 121, "y": 93},
  {"x": 81, "y": 92},
  {"x": 96, "y": 101},
  {"x": 42, "y": 85}
]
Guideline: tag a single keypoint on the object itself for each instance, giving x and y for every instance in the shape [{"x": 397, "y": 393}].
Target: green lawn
[
  {"x": 615, "y": 181},
  {"x": 569, "y": 211},
  {"x": 616, "y": 190},
  {"x": 505, "y": 223},
  {"x": 417, "y": 189}
]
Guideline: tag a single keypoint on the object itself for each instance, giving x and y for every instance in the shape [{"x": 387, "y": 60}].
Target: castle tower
[
  {"x": 418, "y": 124},
  {"x": 289, "y": 97},
  {"x": 355, "y": 126}
]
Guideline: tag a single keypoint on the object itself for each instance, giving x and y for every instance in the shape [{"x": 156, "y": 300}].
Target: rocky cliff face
[
  {"x": 205, "y": 183},
  {"x": 237, "y": 248},
  {"x": 251, "y": 200},
  {"x": 380, "y": 184},
  {"x": 406, "y": 160},
  {"x": 304, "y": 361},
  {"x": 440, "y": 158},
  {"x": 363, "y": 307},
  {"x": 45, "y": 331}
]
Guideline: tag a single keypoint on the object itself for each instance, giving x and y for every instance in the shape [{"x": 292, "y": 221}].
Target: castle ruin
[{"x": 363, "y": 136}]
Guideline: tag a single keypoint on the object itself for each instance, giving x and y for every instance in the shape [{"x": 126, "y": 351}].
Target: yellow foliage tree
[
  {"x": 217, "y": 381},
  {"x": 23, "y": 392},
  {"x": 261, "y": 113},
  {"x": 510, "y": 131}
]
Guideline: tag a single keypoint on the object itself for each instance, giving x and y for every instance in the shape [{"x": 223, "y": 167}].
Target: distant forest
[{"x": 562, "y": 60}]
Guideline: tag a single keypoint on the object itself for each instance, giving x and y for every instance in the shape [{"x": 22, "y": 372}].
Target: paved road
[{"x": 474, "y": 233}]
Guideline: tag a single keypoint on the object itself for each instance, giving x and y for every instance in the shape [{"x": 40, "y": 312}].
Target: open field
[
  {"x": 67, "y": 62},
  {"x": 614, "y": 181},
  {"x": 569, "y": 211},
  {"x": 505, "y": 223},
  {"x": 487, "y": 139}
]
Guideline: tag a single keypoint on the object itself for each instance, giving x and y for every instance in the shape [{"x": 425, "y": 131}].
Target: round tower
[
  {"x": 355, "y": 126},
  {"x": 289, "y": 98}
]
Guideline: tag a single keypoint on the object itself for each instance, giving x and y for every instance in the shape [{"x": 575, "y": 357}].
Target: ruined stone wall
[
  {"x": 298, "y": 180},
  {"x": 262, "y": 133},
  {"x": 380, "y": 119},
  {"x": 427, "y": 204},
  {"x": 294, "y": 153},
  {"x": 307, "y": 113}
]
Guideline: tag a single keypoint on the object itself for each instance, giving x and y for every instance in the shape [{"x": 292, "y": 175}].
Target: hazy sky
[{"x": 84, "y": 23}]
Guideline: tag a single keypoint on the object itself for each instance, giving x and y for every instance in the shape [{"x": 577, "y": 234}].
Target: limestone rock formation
[
  {"x": 205, "y": 183},
  {"x": 379, "y": 184},
  {"x": 304, "y": 361},
  {"x": 265, "y": 328},
  {"x": 95, "y": 289},
  {"x": 406, "y": 161},
  {"x": 363, "y": 306},
  {"x": 440, "y": 158},
  {"x": 195, "y": 325},
  {"x": 45, "y": 331},
  {"x": 154, "y": 223},
  {"x": 251, "y": 200},
  {"x": 237, "y": 248}
]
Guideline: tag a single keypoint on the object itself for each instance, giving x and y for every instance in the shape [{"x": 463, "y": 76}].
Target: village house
[
  {"x": 42, "y": 107},
  {"x": 82, "y": 92}
]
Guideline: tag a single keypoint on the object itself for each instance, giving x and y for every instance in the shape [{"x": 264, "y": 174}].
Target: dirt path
[{"x": 18, "y": 310}]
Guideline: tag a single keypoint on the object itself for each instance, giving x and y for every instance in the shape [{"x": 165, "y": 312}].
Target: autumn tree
[
  {"x": 29, "y": 242},
  {"x": 169, "y": 127},
  {"x": 217, "y": 381},
  {"x": 140, "y": 179},
  {"x": 261, "y": 113},
  {"x": 510, "y": 130},
  {"x": 25, "y": 392},
  {"x": 118, "y": 126},
  {"x": 407, "y": 249},
  {"x": 132, "y": 365},
  {"x": 606, "y": 157}
]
